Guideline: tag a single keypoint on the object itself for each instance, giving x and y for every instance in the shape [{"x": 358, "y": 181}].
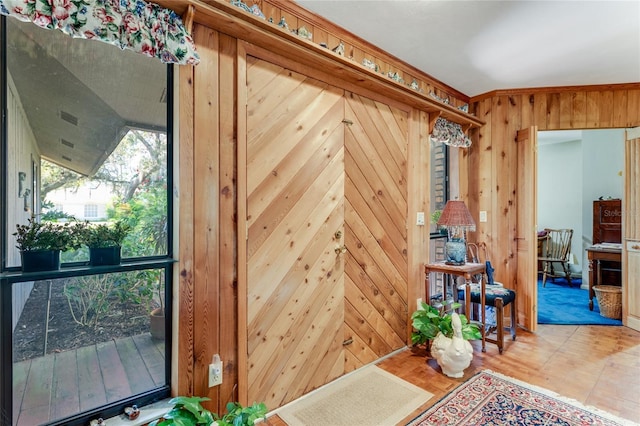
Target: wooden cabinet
[
  {"x": 607, "y": 221},
  {"x": 607, "y": 228}
]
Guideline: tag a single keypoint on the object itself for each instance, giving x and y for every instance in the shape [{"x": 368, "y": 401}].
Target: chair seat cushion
[{"x": 491, "y": 292}]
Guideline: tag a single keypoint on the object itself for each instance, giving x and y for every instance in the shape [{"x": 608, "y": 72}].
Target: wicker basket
[{"x": 609, "y": 300}]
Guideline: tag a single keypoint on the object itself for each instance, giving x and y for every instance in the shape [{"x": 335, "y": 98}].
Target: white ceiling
[{"x": 484, "y": 45}]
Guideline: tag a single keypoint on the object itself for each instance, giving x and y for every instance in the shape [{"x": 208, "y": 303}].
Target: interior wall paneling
[
  {"x": 480, "y": 191},
  {"x": 228, "y": 308},
  {"x": 506, "y": 111},
  {"x": 241, "y": 223},
  {"x": 295, "y": 228},
  {"x": 206, "y": 208},
  {"x": 376, "y": 143},
  {"x": 503, "y": 141},
  {"x": 210, "y": 315},
  {"x": 182, "y": 374},
  {"x": 419, "y": 198},
  {"x": 631, "y": 231}
]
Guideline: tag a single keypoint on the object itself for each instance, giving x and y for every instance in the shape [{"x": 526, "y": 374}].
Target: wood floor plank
[{"x": 612, "y": 385}]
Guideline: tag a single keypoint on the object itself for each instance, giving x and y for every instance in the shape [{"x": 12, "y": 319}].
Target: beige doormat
[{"x": 369, "y": 396}]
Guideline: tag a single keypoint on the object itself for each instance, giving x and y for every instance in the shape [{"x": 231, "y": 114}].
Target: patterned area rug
[
  {"x": 367, "y": 397},
  {"x": 490, "y": 398}
]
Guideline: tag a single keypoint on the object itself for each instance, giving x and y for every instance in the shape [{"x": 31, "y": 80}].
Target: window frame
[{"x": 12, "y": 275}]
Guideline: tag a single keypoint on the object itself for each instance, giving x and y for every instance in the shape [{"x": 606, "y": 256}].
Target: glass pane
[
  {"x": 439, "y": 182},
  {"x": 87, "y": 139},
  {"x": 82, "y": 342}
]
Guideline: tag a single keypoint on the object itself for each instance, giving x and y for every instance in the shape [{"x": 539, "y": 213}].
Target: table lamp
[{"x": 457, "y": 219}]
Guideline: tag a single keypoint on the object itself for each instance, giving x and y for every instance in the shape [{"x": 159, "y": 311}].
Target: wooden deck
[{"x": 58, "y": 385}]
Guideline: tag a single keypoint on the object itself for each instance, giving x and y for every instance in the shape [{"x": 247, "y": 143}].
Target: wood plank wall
[
  {"x": 205, "y": 305},
  {"x": 487, "y": 173},
  {"x": 206, "y": 309}
]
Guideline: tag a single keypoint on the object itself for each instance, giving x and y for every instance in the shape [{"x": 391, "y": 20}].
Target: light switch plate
[{"x": 420, "y": 219}]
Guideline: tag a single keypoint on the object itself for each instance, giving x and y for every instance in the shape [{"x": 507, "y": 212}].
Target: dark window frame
[
  {"x": 445, "y": 196},
  {"x": 12, "y": 275}
]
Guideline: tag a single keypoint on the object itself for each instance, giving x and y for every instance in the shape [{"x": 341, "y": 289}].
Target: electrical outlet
[
  {"x": 483, "y": 215},
  {"x": 420, "y": 219},
  {"x": 215, "y": 371},
  {"x": 419, "y": 303}
]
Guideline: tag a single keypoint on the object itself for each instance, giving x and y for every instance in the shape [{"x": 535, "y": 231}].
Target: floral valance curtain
[{"x": 129, "y": 24}]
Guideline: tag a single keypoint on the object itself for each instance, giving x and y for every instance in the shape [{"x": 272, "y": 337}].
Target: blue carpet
[{"x": 560, "y": 304}]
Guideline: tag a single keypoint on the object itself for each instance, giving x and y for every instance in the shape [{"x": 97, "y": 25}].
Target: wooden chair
[
  {"x": 496, "y": 296},
  {"x": 556, "y": 251}
]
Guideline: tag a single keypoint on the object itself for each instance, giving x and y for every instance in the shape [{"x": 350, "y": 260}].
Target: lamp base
[{"x": 455, "y": 252}]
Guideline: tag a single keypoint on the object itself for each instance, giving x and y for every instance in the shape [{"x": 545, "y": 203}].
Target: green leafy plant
[
  {"x": 429, "y": 321},
  {"x": 105, "y": 235},
  {"x": 237, "y": 415},
  {"x": 188, "y": 411},
  {"x": 48, "y": 235},
  {"x": 435, "y": 216}
]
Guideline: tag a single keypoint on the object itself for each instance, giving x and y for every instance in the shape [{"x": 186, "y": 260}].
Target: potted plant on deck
[
  {"x": 155, "y": 281},
  {"x": 40, "y": 243},
  {"x": 105, "y": 242},
  {"x": 449, "y": 334}
]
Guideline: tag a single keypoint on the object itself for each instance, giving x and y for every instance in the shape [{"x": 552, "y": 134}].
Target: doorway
[{"x": 575, "y": 167}]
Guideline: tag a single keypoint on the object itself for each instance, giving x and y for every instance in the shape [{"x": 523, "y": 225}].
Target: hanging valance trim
[
  {"x": 449, "y": 133},
  {"x": 129, "y": 24}
]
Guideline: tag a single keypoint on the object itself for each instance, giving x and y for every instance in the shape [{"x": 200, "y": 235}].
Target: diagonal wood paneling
[
  {"x": 295, "y": 206},
  {"x": 375, "y": 224}
]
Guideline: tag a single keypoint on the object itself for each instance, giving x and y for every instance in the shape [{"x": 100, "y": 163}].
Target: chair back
[
  {"x": 477, "y": 253},
  {"x": 558, "y": 244}
]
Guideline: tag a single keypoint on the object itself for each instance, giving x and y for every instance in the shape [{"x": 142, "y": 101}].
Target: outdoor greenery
[
  {"x": 188, "y": 411},
  {"x": 92, "y": 297},
  {"x": 48, "y": 235},
  {"x": 105, "y": 235},
  {"x": 135, "y": 175},
  {"x": 429, "y": 321}
]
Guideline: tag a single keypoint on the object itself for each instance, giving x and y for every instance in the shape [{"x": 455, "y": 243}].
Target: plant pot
[
  {"x": 157, "y": 324},
  {"x": 99, "y": 256},
  {"x": 40, "y": 260}
]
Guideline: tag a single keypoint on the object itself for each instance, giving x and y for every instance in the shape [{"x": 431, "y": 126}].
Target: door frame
[
  {"x": 526, "y": 222},
  {"x": 630, "y": 223},
  {"x": 625, "y": 212}
]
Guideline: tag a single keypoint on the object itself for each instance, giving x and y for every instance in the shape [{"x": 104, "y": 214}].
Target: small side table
[{"x": 466, "y": 271}]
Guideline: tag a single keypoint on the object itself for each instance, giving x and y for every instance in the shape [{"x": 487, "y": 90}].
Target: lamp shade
[{"x": 456, "y": 213}]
